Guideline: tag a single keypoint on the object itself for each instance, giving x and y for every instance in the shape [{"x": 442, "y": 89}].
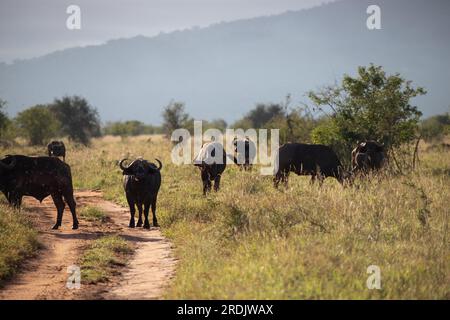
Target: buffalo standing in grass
[
  {"x": 38, "y": 177},
  {"x": 368, "y": 155},
  {"x": 245, "y": 153},
  {"x": 141, "y": 181},
  {"x": 57, "y": 149},
  {"x": 316, "y": 160},
  {"x": 211, "y": 161}
]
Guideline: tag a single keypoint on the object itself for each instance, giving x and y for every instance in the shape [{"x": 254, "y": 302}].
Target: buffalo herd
[{"x": 40, "y": 177}]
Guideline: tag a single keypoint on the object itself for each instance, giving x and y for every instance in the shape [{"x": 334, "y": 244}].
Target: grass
[
  {"x": 93, "y": 214},
  {"x": 251, "y": 241},
  {"x": 18, "y": 241},
  {"x": 99, "y": 261}
]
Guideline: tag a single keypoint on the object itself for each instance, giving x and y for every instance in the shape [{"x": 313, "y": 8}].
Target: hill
[{"x": 222, "y": 70}]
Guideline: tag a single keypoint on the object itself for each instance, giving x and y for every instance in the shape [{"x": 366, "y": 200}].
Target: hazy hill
[{"x": 222, "y": 70}]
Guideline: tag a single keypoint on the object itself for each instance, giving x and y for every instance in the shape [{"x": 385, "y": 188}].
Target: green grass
[
  {"x": 18, "y": 241},
  {"x": 93, "y": 214},
  {"x": 102, "y": 257},
  {"x": 252, "y": 241}
]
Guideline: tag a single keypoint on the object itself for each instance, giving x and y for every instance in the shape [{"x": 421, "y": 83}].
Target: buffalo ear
[{"x": 127, "y": 172}]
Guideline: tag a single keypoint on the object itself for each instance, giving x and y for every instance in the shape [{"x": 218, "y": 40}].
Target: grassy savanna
[
  {"x": 17, "y": 238},
  {"x": 253, "y": 241},
  {"x": 99, "y": 260}
]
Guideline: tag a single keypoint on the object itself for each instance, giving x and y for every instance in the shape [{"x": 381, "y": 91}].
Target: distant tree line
[
  {"x": 72, "y": 116},
  {"x": 130, "y": 128}
]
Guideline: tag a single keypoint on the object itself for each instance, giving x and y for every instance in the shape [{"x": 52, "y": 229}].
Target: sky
[{"x": 30, "y": 28}]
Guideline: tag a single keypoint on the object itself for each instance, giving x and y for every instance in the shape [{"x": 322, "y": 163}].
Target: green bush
[{"x": 38, "y": 124}]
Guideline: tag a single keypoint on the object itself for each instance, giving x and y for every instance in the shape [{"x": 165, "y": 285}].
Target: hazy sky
[{"x": 30, "y": 28}]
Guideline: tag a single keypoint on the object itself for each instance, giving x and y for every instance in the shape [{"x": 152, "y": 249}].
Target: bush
[
  {"x": 38, "y": 124},
  {"x": 436, "y": 127},
  {"x": 175, "y": 118},
  {"x": 79, "y": 120},
  {"x": 370, "y": 106}
]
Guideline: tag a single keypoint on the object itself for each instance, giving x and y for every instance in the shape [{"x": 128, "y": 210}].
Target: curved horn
[
  {"x": 8, "y": 166},
  {"x": 121, "y": 164},
  {"x": 160, "y": 164}
]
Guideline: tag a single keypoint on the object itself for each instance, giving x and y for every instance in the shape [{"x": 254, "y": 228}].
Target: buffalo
[
  {"x": 211, "y": 161},
  {"x": 57, "y": 149},
  {"x": 38, "y": 177},
  {"x": 245, "y": 153},
  {"x": 367, "y": 155},
  {"x": 316, "y": 160},
  {"x": 141, "y": 182}
]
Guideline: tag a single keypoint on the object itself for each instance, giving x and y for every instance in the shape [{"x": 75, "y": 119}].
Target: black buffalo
[
  {"x": 211, "y": 164},
  {"x": 38, "y": 177},
  {"x": 141, "y": 181},
  {"x": 245, "y": 153},
  {"x": 57, "y": 149},
  {"x": 367, "y": 155},
  {"x": 316, "y": 160}
]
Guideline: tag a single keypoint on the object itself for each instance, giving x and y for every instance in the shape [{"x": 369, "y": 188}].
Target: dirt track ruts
[{"x": 146, "y": 276}]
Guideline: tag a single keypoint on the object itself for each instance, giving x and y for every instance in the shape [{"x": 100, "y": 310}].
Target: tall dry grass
[{"x": 304, "y": 242}]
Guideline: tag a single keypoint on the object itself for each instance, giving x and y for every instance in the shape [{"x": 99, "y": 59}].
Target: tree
[
  {"x": 295, "y": 126},
  {"x": 435, "y": 127},
  {"x": 371, "y": 105},
  {"x": 175, "y": 118},
  {"x": 219, "y": 124},
  {"x": 38, "y": 124},
  {"x": 79, "y": 120},
  {"x": 4, "y": 120},
  {"x": 259, "y": 116},
  {"x": 294, "y": 123}
]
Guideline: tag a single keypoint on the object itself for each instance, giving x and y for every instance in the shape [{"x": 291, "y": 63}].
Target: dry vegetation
[
  {"x": 253, "y": 241},
  {"x": 18, "y": 240}
]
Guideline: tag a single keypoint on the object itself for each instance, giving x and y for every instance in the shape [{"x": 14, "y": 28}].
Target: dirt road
[{"x": 145, "y": 277}]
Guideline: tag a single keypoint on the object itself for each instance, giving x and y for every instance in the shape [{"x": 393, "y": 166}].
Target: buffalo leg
[
  {"x": 276, "y": 180},
  {"x": 60, "y": 205},
  {"x": 72, "y": 206},
  {"x": 208, "y": 186},
  {"x": 155, "y": 221},
  {"x": 139, "y": 223},
  {"x": 321, "y": 178},
  {"x": 132, "y": 211},
  {"x": 285, "y": 178},
  {"x": 146, "y": 211},
  {"x": 15, "y": 199},
  {"x": 206, "y": 182},
  {"x": 217, "y": 183}
]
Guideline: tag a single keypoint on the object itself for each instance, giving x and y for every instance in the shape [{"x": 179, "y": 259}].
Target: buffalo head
[
  {"x": 139, "y": 168},
  {"x": 5, "y": 166}
]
